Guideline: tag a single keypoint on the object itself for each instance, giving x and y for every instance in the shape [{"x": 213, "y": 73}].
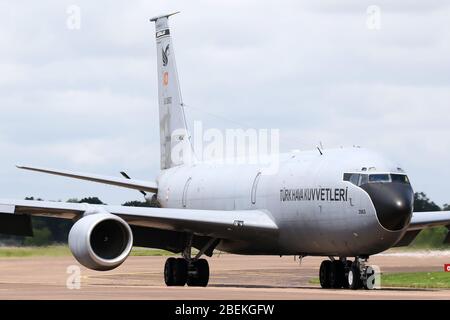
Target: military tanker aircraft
[{"x": 345, "y": 204}]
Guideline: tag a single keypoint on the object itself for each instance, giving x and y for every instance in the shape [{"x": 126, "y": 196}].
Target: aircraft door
[
  {"x": 185, "y": 191},
  {"x": 254, "y": 188}
]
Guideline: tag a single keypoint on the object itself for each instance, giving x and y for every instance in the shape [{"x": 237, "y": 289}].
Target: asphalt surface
[{"x": 232, "y": 277}]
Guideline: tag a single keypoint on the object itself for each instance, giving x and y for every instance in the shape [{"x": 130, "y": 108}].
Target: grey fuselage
[{"x": 317, "y": 212}]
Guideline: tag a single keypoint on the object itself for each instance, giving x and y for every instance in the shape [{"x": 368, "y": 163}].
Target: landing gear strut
[
  {"x": 343, "y": 273},
  {"x": 192, "y": 271}
]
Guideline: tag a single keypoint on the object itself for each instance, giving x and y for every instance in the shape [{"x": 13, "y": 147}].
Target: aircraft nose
[{"x": 393, "y": 203}]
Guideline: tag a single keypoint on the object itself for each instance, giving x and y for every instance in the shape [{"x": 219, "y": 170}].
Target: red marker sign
[{"x": 447, "y": 267}]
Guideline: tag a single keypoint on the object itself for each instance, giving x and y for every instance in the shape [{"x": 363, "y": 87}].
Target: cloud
[{"x": 87, "y": 99}]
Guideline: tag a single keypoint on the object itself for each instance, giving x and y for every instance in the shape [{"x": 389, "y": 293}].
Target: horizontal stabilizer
[
  {"x": 164, "y": 16},
  {"x": 115, "y": 181}
]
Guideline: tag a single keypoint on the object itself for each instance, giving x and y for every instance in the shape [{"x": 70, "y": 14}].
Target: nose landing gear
[{"x": 345, "y": 274}]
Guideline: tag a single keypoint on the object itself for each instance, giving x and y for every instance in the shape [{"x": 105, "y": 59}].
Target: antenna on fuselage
[{"x": 320, "y": 151}]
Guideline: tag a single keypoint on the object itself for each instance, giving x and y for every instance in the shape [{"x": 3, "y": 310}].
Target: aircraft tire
[
  {"x": 337, "y": 274},
  {"x": 199, "y": 273},
  {"x": 324, "y": 274},
  {"x": 347, "y": 267},
  {"x": 354, "y": 278},
  {"x": 180, "y": 272},
  {"x": 169, "y": 268}
]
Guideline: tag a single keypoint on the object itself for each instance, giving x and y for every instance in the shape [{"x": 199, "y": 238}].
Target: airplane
[{"x": 343, "y": 204}]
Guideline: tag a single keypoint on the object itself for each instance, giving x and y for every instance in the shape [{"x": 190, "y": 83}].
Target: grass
[
  {"x": 62, "y": 250},
  {"x": 416, "y": 280},
  {"x": 146, "y": 252},
  {"x": 416, "y": 249},
  {"x": 24, "y": 252},
  {"x": 431, "y": 238},
  {"x": 411, "y": 280}
]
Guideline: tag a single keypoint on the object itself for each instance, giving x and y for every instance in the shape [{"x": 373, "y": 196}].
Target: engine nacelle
[{"x": 101, "y": 241}]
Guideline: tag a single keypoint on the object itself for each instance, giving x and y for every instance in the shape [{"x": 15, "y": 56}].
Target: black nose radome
[{"x": 393, "y": 203}]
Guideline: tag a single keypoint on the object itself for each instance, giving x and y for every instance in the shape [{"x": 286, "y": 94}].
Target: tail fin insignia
[
  {"x": 165, "y": 55},
  {"x": 175, "y": 144}
]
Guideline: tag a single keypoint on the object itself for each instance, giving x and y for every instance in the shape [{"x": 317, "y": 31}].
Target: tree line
[
  {"x": 432, "y": 237},
  {"x": 49, "y": 231}
]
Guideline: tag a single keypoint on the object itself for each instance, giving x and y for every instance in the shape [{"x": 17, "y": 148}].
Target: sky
[{"x": 84, "y": 96}]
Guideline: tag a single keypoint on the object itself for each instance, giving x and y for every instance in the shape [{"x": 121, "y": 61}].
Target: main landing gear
[
  {"x": 194, "y": 273},
  {"x": 345, "y": 274},
  {"x": 187, "y": 270}
]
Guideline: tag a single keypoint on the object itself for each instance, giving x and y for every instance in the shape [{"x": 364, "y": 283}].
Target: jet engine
[{"x": 101, "y": 241}]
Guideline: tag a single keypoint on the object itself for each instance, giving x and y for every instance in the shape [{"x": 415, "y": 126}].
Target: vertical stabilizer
[{"x": 172, "y": 121}]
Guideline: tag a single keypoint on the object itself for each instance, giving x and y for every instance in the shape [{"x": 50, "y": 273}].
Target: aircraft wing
[
  {"x": 235, "y": 225},
  {"x": 120, "y": 182},
  {"x": 422, "y": 220}
]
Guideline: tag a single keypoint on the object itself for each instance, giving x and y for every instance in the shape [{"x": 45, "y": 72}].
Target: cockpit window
[
  {"x": 364, "y": 179},
  {"x": 359, "y": 179},
  {"x": 356, "y": 178},
  {"x": 379, "y": 178},
  {"x": 399, "y": 178}
]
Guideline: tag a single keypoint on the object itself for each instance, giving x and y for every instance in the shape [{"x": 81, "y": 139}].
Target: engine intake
[{"x": 101, "y": 241}]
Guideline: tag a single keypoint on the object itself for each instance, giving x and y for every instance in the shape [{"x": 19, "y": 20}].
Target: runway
[{"x": 232, "y": 277}]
